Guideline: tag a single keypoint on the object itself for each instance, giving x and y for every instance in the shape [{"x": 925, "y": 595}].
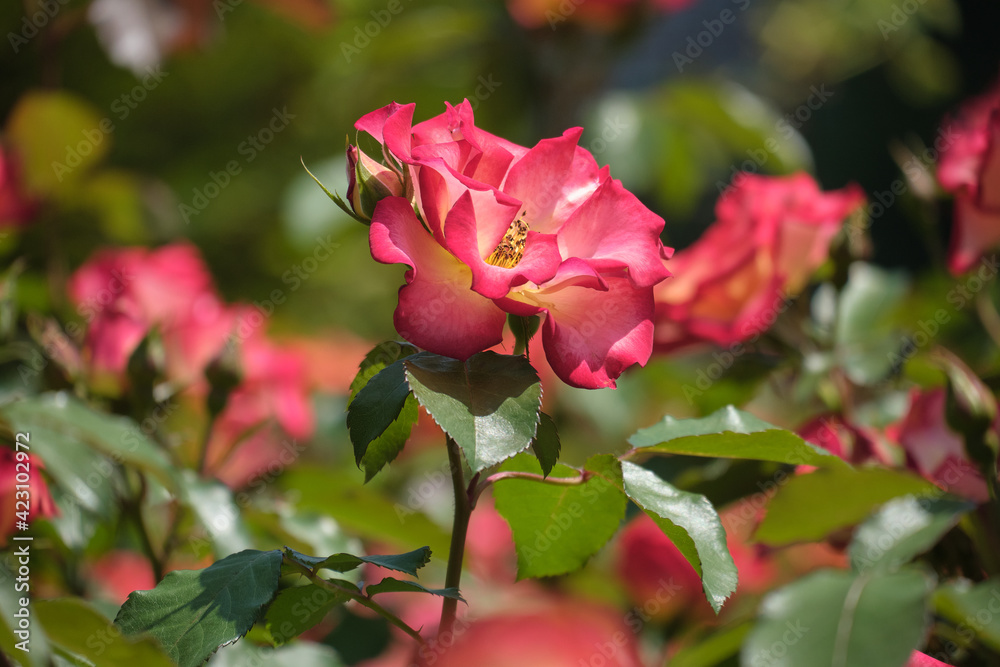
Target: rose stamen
[{"x": 511, "y": 247}]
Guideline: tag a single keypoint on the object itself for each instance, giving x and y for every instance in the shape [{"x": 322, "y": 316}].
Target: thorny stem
[
  {"x": 363, "y": 600},
  {"x": 460, "y": 528}
]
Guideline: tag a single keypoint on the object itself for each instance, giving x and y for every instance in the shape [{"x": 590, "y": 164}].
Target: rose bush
[
  {"x": 970, "y": 169},
  {"x": 770, "y": 235},
  {"x": 494, "y": 228}
]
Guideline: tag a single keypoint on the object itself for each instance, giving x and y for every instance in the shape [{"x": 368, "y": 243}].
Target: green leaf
[
  {"x": 691, "y": 523},
  {"x": 973, "y": 609},
  {"x": 390, "y": 585},
  {"x": 841, "y": 619},
  {"x": 10, "y": 604},
  {"x": 212, "y": 502},
  {"x": 865, "y": 343},
  {"x": 810, "y": 507},
  {"x": 557, "y": 528},
  {"x": 715, "y": 649},
  {"x": 546, "y": 444},
  {"x": 376, "y": 406},
  {"x": 299, "y": 654},
  {"x": 734, "y": 434},
  {"x": 902, "y": 529},
  {"x": 363, "y": 511},
  {"x": 194, "y": 612},
  {"x": 407, "y": 563},
  {"x": 297, "y": 609},
  {"x": 380, "y": 417},
  {"x": 488, "y": 404},
  {"x": 119, "y": 438},
  {"x": 75, "y": 627}
]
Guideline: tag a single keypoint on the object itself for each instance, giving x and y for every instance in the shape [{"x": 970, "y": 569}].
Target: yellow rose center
[{"x": 511, "y": 247}]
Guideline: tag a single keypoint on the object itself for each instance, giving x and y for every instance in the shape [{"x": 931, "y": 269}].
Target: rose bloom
[
  {"x": 934, "y": 450},
  {"x": 970, "y": 169},
  {"x": 16, "y": 206},
  {"x": 40, "y": 502},
  {"x": 770, "y": 235},
  {"x": 126, "y": 293},
  {"x": 495, "y": 228}
]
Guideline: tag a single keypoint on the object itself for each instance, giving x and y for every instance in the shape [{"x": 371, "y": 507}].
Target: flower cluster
[
  {"x": 492, "y": 228},
  {"x": 771, "y": 234},
  {"x": 970, "y": 168},
  {"x": 127, "y": 294}
]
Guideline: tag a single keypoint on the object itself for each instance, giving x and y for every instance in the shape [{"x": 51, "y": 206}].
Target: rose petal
[{"x": 437, "y": 310}]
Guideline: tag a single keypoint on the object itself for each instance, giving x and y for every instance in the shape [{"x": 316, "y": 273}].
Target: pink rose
[
  {"x": 918, "y": 659},
  {"x": 16, "y": 206},
  {"x": 125, "y": 293},
  {"x": 118, "y": 573},
  {"x": 268, "y": 417},
  {"x": 970, "y": 169},
  {"x": 771, "y": 234},
  {"x": 935, "y": 451},
  {"x": 566, "y": 633},
  {"x": 40, "y": 501},
  {"x": 495, "y": 228}
]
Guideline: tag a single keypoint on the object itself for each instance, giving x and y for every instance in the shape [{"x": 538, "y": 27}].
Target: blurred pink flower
[
  {"x": 836, "y": 435},
  {"x": 658, "y": 578},
  {"x": 970, "y": 169},
  {"x": 490, "y": 545},
  {"x": 771, "y": 234},
  {"x": 565, "y": 633},
  {"x": 126, "y": 293},
  {"x": 934, "y": 450},
  {"x": 118, "y": 573},
  {"x": 16, "y": 206},
  {"x": 268, "y": 416},
  {"x": 39, "y": 501},
  {"x": 496, "y": 228}
]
